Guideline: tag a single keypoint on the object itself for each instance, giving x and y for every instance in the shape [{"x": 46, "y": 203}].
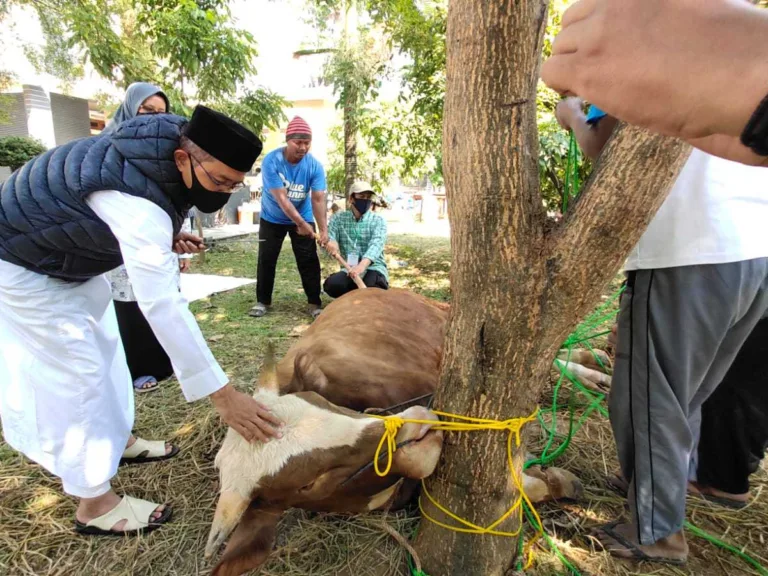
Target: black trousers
[
  {"x": 143, "y": 352},
  {"x": 734, "y": 420},
  {"x": 336, "y": 285},
  {"x": 305, "y": 251}
]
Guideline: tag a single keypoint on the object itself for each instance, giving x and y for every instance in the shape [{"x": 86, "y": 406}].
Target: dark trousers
[
  {"x": 305, "y": 251},
  {"x": 144, "y": 354},
  {"x": 336, "y": 285},
  {"x": 734, "y": 420}
]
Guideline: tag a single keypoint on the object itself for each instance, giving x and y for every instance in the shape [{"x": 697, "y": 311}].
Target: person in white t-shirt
[{"x": 696, "y": 288}]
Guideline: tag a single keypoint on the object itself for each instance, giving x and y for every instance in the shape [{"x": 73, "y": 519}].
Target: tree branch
[
  {"x": 311, "y": 52},
  {"x": 630, "y": 182}
]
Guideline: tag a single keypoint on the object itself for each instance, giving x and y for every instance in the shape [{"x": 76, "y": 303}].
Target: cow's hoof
[
  {"x": 552, "y": 484},
  {"x": 564, "y": 485}
]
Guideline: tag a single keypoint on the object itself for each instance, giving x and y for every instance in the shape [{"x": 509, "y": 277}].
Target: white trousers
[{"x": 66, "y": 399}]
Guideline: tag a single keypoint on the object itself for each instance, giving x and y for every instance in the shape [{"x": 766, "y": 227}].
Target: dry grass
[{"x": 36, "y": 520}]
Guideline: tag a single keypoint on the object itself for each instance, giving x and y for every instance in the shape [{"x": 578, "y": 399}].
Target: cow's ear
[
  {"x": 251, "y": 543},
  {"x": 307, "y": 374},
  {"x": 268, "y": 377}
]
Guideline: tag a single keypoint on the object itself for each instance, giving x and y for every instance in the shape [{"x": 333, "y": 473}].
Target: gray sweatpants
[{"x": 679, "y": 331}]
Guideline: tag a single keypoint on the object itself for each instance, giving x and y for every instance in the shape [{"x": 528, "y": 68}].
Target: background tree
[
  {"x": 15, "y": 151},
  {"x": 353, "y": 70},
  {"x": 373, "y": 167},
  {"x": 188, "y": 47},
  {"x": 357, "y": 61},
  {"x": 519, "y": 283},
  {"x": 417, "y": 29}
]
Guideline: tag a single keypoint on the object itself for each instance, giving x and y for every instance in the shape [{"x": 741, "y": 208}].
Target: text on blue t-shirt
[{"x": 298, "y": 179}]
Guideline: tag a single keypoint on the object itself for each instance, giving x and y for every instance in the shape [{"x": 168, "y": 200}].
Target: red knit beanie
[{"x": 298, "y": 129}]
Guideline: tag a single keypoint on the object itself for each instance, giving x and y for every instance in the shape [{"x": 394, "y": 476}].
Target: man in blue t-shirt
[{"x": 293, "y": 199}]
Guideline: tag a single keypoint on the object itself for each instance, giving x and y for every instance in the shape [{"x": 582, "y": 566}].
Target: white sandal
[
  {"x": 130, "y": 509},
  {"x": 143, "y": 451}
]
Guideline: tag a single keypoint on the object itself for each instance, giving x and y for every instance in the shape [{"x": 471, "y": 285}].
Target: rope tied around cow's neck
[{"x": 457, "y": 423}]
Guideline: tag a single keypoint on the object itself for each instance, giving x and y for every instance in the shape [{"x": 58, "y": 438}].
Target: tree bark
[
  {"x": 350, "y": 103},
  {"x": 350, "y": 139},
  {"x": 520, "y": 284}
]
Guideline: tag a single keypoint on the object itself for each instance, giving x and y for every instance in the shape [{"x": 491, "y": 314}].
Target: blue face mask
[{"x": 362, "y": 205}]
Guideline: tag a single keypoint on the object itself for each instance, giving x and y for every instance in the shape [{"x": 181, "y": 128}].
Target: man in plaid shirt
[{"x": 359, "y": 236}]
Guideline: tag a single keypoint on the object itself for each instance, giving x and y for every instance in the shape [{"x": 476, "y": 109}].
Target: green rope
[
  {"x": 584, "y": 333},
  {"x": 572, "y": 185},
  {"x": 696, "y": 531}
]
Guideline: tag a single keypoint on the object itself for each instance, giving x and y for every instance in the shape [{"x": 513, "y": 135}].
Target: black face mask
[
  {"x": 362, "y": 205},
  {"x": 203, "y": 199}
]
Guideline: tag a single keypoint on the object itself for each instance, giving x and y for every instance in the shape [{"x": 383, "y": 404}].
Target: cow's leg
[{"x": 551, "y": 484}]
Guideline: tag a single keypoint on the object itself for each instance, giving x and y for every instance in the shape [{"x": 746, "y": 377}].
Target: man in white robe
[{"x": 68, "y": 216}]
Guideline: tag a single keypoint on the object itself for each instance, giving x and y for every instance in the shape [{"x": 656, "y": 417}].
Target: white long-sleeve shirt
[{"x": 145, "y": 234}]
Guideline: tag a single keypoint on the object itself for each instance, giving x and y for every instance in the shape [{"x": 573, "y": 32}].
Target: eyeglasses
[
  {"x": 149, "y": 110},
  {"x": 230, "y": 187}
]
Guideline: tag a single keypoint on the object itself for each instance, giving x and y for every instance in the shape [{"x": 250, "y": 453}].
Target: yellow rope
[{"x": 466, "y": 424}]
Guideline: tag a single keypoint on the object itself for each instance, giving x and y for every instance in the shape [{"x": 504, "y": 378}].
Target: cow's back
[{"x": 376, "y": 348}]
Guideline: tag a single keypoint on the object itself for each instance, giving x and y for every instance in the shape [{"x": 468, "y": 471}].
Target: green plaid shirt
[{"x": 366, "y": 238}]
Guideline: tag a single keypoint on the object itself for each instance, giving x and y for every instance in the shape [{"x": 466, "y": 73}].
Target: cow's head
[{"x": 322, "y": 462}]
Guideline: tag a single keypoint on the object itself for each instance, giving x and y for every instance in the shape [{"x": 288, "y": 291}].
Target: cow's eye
[{"x": 307, "y": 487}]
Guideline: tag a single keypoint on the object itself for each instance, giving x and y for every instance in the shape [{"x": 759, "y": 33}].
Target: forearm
[
  {"x": 176, "y": 330},
  {"x": 730, "y": 148},
  {"x": 592, "y": 139},
  {"x": 748, "y": 70},
  {"x": 378, "y": 241},
  {"x": 319, "y": 209},
  {"x": 152, "y": 268},
  {"x": 281, "y": 196}
]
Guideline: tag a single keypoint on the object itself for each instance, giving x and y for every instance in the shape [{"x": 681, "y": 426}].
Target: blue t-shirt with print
[
  {"x": 595, "y": 115},
  {"x": 298, "y": 179}
]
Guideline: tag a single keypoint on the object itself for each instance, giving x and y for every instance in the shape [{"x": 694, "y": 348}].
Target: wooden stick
[
  {"x": 199, "y": 223},
  {"x": 357, "y": 280}
]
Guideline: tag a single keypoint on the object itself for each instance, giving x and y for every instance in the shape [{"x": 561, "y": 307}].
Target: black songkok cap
[{"x": 224, "y": 139}]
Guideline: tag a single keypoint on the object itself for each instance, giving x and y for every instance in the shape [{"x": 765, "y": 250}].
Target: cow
[{"x": 370, "y": 348}]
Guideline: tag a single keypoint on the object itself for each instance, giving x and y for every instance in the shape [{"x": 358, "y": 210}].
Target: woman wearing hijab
[
  {"x": 147, "y": 360},
  {"x": 140, "y": 98}
]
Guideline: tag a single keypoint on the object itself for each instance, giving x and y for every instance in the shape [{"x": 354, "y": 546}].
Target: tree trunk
[
  {"x": 520, "y": 284},
  {"x": 350, "y": 139},
  {"x": 350, "y": 103}
]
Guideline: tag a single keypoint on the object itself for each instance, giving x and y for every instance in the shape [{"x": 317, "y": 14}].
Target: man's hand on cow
[
  {"x": 186, "y": 243},
  {"x": 305, "y": 229},
  {"x": 654, "y": 63},
  {"x": 245, "y": 415}
]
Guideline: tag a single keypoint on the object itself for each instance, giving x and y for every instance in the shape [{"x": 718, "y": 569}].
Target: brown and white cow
[{"x": 370, "y": 348}]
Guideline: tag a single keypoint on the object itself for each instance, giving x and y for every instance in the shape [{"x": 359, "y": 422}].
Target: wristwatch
[{"x": 755, "y": 135}]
